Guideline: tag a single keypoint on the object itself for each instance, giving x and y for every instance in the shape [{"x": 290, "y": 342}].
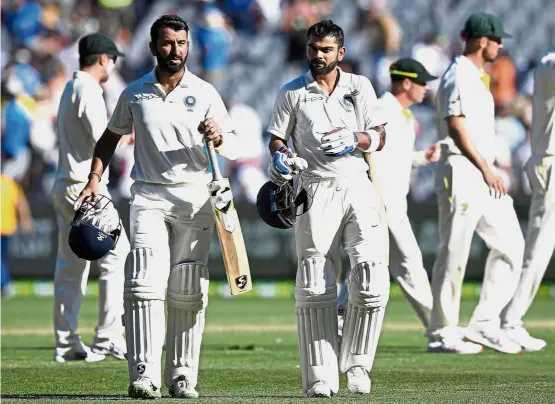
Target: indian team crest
[{"x": 190, "y": 102}]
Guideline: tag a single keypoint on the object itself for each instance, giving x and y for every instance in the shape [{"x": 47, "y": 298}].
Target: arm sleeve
[
  {"x": 283, "y": 118},
  {"x": 453, "y": 104},
  {"x": 230, "y": 147},
  {"x": 92, "y": 112},
  {"x": 121, "y": 122},
  {"x": 370, "y": 106}
]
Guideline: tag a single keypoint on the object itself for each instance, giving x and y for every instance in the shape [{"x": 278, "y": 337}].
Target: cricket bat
[
  {"x": 231, "y": 238},
  {"x": 372, "y": 174}
]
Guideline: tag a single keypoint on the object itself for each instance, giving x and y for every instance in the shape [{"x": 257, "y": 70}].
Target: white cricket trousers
[
  {"x": 465, "y": 206},
  {"x": 405, "y": 259},
  {"x": 70, "y": 279},
  {"x": 540, "y": 239}
]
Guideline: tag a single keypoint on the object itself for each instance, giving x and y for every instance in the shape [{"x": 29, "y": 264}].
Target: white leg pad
[
  {"x": 368, "y": 296},
  {"x": 144, "y": 315},
  {"x": 316, "y": 298},
  {"x": 187, "y": 300}
]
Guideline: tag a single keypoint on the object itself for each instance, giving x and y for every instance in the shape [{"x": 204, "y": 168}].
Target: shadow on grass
[{"x": 126, "y": 397}]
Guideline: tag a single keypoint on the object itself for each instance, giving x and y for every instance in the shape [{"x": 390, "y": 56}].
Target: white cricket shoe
[
  {"x": 180, "y": 388},
  {"x": 493, "y": 338},
  {"x": 450, "y": 340},
  {"x": 358, "y": 380},
  {"x": 111, "y": 349},
  {"x": 84, "y": 354},
  {"x": 319, "y": 389},
  {"x": 528, "y": 343},
  {"x": 142, "y": 388}
]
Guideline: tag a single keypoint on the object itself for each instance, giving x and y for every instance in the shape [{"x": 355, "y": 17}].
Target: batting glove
[
  {"x": 221, "y": 194},
  {"x": 338, "y": 142},
  {"x": 283, "y": 166}
]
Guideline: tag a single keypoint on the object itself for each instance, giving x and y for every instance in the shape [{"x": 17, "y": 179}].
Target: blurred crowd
[{"x": 39, "y": 55}]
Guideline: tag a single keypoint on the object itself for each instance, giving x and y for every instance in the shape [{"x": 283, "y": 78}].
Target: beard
[
  {"x": 322, "y": 70},
  {"x": 165, "y": 65}
]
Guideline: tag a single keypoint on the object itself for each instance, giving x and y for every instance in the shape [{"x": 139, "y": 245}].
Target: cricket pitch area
[{"x": 249, "y": 355}]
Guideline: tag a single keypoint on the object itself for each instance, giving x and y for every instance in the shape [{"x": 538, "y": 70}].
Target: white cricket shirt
[
  {"x": 81, "y": 121},
  {"x": 462, "y": 92},
  {"x": 394, "y": 162},
  {"x": 169, "y": 149},
  {"x": 304, "y": 113},
  {"x": 543, "y": 108}
]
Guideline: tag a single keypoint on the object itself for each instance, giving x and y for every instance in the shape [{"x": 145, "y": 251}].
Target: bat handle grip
[{"x": 213, "y": 158}]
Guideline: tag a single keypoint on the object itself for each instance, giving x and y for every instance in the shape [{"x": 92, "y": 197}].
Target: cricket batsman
[
  {"x": 539, "y": 243},
  {"x": 316, "y": 111},
  {"x": 172, "y": 219},
  {"x": 394, "y": 162},
  {"x": 472, "y": 197}
]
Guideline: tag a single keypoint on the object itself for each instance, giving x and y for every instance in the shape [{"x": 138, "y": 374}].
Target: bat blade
[{"x": 233, "y": 248}]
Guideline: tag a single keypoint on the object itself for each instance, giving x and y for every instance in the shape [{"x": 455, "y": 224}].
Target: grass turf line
[{"x": 261, "y": 366}]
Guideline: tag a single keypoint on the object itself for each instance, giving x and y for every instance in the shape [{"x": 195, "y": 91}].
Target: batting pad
[
  {"x": 143, "y": 297},
  {"x": 187, "y": 299},
  {"x": 316, "y": 297},
  {"x": 368, "y": 296}
]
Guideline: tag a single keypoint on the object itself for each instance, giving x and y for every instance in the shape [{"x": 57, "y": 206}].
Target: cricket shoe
[
  {"x": 358, "y": 380},
  {"x": 180, "y": 388},
  {"x": 520, "y": 336},
  {"x": 112, "y": 349},
  {"x": 493, "y": 338},
  {"x": 142, "y": 388},
  {"x": 451, "y": 341},
  {"x": 84, "y": 354},
  {"x": 319, "y": 389}
]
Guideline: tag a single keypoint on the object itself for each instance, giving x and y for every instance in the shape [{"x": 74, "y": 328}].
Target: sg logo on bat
[{"x": 241, "y": 281}]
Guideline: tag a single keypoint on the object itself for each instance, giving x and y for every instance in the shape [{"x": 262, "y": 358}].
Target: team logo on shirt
[{"x": 190, "y": 101}]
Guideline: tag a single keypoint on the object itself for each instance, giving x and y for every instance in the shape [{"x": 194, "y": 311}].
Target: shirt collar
[
  {"x": 152, "y": 79},
  {"x": 390, "y": 98},
  {"x": 310, "y": 82},
  {"x": 87, "y": 77},
  {"x": 471, "y": 67}
]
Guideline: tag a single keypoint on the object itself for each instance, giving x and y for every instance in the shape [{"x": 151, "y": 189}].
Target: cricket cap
[
  {"x": 97, "y": 44},
  {"x": 483, "y": 24},
  {"x": 411, "y": 69}
]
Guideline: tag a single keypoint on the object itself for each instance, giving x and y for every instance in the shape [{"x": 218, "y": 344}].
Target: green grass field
[{"x": 250, "y": 355}]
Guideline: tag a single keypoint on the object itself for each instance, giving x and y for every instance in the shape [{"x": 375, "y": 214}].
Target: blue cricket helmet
[
  {"x": 87, "y": 239},
  {"x": 277, "y": 204}
]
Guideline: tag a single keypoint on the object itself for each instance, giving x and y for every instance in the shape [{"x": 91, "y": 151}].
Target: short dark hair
[
  {"x": 89, "y": 60},
  {"x": 326, "y": 28},
  {"x": 172, "y": 21}
]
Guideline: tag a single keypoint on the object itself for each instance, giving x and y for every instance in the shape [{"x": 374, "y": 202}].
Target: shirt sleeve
[
  {"x": 92, "y": 112},
  {"x": 230, "y": 147},
  {"x": 121, "y": 121},
  {"x": 452, "y": 100},
  {"x": 283, "y": 118},
  {"x": 370, "y": 105}
]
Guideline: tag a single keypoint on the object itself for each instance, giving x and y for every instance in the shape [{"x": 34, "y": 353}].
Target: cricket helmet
[
  {"x": 277, "y": 204},
  {"x": 95, "y": 229}
]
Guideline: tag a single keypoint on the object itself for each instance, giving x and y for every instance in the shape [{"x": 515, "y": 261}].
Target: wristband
[
  {"x": 374, "y": 141},
  {"x": 93, "y": 173}
]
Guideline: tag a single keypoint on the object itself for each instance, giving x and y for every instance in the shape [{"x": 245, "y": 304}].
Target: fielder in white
[
  {"x": 539, "y": 243},
  {"x": 393, "y": 167},
  {"x": 172, "y": 220},
  {"x": 472, "y": 197},
  {"x": 82, "y": 119},
  {"x": 316, "y": 112}
]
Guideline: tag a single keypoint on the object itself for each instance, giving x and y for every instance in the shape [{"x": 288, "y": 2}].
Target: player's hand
[
  {"x": 338, "y": 142},
  {"x": 284, "y": 164},
  {"x": 221, "y": 194},
  {"x": 211, "y": 130},
  {"x": 432, "y": 153},
  {"x": 90, "y": 191},
  {"x": 497, "y": 187}
]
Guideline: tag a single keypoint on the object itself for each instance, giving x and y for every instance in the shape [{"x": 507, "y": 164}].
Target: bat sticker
[{"x": 241, "y": 281}]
